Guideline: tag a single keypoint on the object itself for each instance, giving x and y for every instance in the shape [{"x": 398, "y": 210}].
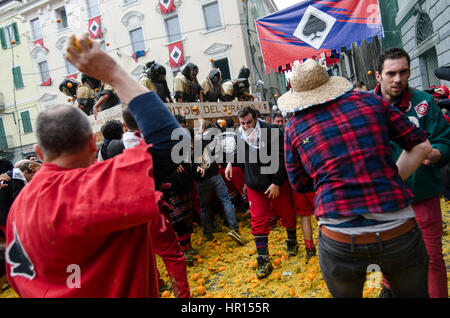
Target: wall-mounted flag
[
  {"x": 40, "y": 42},
  {"x": 166, "y": 6},
  {"x": 47, "y": 82},
  {"x": 176, "y": 56},
  {"x": 137, "y": 55},
  {"x": 95, "y": 29},
  {"x": 313, "y": 27}
]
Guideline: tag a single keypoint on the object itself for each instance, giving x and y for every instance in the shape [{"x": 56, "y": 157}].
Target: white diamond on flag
[
  {"x": 165, "y": 3},
  {"x": 314, "y": 27},
  {"x": 175, "y": 54},
  {"x": 94, "y": 27}
]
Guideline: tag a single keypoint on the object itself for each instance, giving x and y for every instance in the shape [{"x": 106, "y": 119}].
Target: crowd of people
[
  {"x": 367, "y": 165},
  {"x": 92, "y": 95}
]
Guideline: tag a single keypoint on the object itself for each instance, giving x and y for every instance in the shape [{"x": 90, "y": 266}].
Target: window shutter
[
  {"x": 3, "y": 141},
  {"x": 3, "y": 39},
  {"x": 16, "y": 33},
  {"x": 26, "y": 122},
  {"x": 17, "y": 75}
]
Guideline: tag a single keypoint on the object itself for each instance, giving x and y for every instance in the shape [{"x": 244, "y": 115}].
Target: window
[
  {"x": 8, "y": 34},
  {"x": 212, "y": 16},
  {"x": 3, "y": 140},
  {"x": 173, "y": 29},
  {"x": 127, "y": 2},
  {"x": 36, "y": 29},
  {"x": 43, "y": 70},
  {"x": 17, "y": 76},
  {"x": 223, "y": 66},
  {"x": 70, "y": 69},
  {"x": 26, "y": 122},
  {"x": 61, "y": 15},
  {"x": 137, "y": 40},
  {"x": 92, "y": 8}
]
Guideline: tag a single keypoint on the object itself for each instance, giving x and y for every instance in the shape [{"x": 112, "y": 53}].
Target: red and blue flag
[{"x": 313, "y": 27}]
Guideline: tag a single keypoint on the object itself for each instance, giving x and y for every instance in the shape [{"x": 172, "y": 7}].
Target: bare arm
[{"x": 409, "y": 161}]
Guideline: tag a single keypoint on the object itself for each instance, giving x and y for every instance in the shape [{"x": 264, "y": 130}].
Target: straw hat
[{"x": 312, "y": 86}]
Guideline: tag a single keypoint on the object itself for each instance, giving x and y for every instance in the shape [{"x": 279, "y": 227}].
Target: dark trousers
[{"x": 403, "y": 260}]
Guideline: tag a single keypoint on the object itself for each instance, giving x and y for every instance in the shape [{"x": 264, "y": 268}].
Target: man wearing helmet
[
  {"x": 211, "y": 88},
  {"x": 154, "y": 78},
  {"x": 185, "y": 85}
]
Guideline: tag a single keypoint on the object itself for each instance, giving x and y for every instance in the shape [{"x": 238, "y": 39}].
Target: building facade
[
  {"x": 19, "y": 95},
  {"x": 425, "y": 30},
  {"x": 209, "y": 33}
]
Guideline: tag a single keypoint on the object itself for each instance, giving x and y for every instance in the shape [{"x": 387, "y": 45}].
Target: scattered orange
[
  {"x": 107, "y": 44},
  {"x": 195, "y": 277},
  {"x": 200, "y": 260},
  {"x": 369, "y": 72},
  {"x": 69, "y": 100},
  {"x": 230, "y": 112},
  {"x": 13, "y": 42},
  {"x": 165, "y": 294},
  {"x": 201, "y": 281},
  {"x": 211, "y": 60},
  {"x": 292, "y": 291},
  {"x": 222, "y": 268},
  {"x": 201, "y": 290},
  {"x": 276, "y": 95},
  {"x": 69, "y": 85},
  {"x": 58, "y": 20},
  {"x": 195, "y": 108},
  {"x": 311, "y": 276},
  {"x": 277, "y": 262},
  {"x": 277, "y": 275}
]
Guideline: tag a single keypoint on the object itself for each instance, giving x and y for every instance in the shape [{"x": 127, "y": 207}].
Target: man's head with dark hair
[
  {"x": 5, "y": 165},
  {"x": 129, "y": 120},
  {"x": 247, "y": 118},
  {"x": 277, "y": 119},
  {"x": 392, "y": 54},
  {"x": 393, "y": 73},
  {"x": 248, "y": 110},
  {"x": 112, "y": 129},
  {"x": 62, "y": 129},
  {"x": 181, "y": 120}
]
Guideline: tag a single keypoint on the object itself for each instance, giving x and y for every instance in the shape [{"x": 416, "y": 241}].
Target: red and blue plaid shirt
[{"x": 342, "y": 149}]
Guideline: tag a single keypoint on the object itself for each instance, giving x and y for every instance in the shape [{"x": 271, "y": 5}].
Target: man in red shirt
[{"x": 79, "y": 228}]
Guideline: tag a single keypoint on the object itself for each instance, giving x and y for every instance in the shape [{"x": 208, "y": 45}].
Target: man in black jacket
[
  {"x": 266, "y": 182},
  {"x": 22, "y": 173},
  {"x": 206, "y": 174}
]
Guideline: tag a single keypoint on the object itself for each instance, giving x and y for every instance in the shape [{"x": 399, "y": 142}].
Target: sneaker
[
  {"x": 385, "y": 293},
  {"x": 310, "y": 253},
  {"x": 264, "y": 266},
  {"x": 234, "y": 234},
  {"x": 292, "y": 247}
]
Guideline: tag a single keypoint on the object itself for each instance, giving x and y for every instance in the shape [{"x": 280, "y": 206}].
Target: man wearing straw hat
[{"x": 338, "y": 142}]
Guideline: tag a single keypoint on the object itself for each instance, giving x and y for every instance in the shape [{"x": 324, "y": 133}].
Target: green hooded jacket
[{"x": 422, "y": 110}]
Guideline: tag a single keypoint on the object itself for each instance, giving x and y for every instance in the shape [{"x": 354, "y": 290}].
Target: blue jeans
[
  {"x": 204, "y": 189},
  {"x": 403, "y": 260}
]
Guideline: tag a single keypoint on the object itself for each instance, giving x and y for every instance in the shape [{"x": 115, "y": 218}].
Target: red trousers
[
  {"x": 166, "y": 246},
  {"x": 303, "y": 202},
  {"x": 260, "y": 209},
  {"x": 429, "y": 218},
  {"x": 237, "y": 182}
]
